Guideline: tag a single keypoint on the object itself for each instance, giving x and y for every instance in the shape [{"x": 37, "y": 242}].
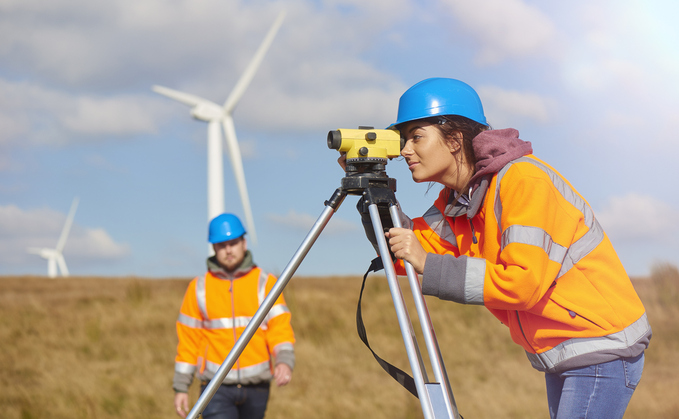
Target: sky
[{"x": 593, "y": 85}]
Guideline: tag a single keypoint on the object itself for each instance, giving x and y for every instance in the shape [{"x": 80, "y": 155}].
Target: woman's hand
[
  {"x": 404, "y": 245},
  {"x": 342, "y": 160}
]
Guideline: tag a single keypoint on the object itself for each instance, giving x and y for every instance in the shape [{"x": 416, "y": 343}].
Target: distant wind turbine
[
  {"x": 54, "y": 257},
  {"x": 216, "y": 115}
]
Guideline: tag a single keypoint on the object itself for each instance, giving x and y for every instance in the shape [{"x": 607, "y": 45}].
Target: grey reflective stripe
[
  {"x": 184, "y": 368},
  {"x": 438, "y": 223},
  {"x": 549, "y": 360},
  {"x": 277, "y": 310},
  {"x": 261, "y": 294},
  {"x": 474, "y": 279},
  {"x": 578, "y": 249},
  {"x": 200, "y": 296},
  {"x": 189, "y": 321},
  {"x": 282, "y": 347},
  {"x": 581, "y": 248},
  {"x": 534, "y": 236},
  {"x": 238, "y": 374},
  {"x": 226, "y": 322},
  {"x": 261, "y": 290}
]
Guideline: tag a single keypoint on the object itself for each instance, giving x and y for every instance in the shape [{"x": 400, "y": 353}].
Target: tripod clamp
[{"x": 378, "y": 190}]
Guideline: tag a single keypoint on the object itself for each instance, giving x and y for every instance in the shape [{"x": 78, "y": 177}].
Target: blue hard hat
[
  {"x": 225, "y": 227},
  {"x": 439, "y": 96}
]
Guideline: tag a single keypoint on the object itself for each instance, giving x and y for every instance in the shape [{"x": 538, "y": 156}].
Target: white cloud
[
  {"x": 30, "y": 113},
  {"x": 116, "y": 115},
  {"x": 95, "y": 243},
  {"x": 304, "y": 222},
  {"x": 504, "y": 28},
  {"x": 639, "y": 218},
  {"x": 84, "y": 58},
  {"x": 503, "y": 106},
  {"x": 21, "y": 229}
]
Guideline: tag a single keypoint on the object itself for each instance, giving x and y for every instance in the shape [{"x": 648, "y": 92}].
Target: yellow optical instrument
[{"x": 366, "y": 144}]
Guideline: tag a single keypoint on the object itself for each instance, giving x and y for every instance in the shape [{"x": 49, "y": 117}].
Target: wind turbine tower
[
  {"x": 55, "y": 258},
  {"x": 218, "y": 118}
]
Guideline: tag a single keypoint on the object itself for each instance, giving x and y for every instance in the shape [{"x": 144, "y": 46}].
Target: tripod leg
[
  {"x": 330, "y": 208},
  {"x": 402, "y": 314},
  {"x": 431, "y": 343}
]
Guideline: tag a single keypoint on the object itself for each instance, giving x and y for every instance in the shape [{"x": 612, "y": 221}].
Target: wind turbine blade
[
  {"x": 34, "y": 251},
  {"x": 215, "y": 170},
  {"x": 61, "y": 262},
  {"x": 239, "y": 174},
  {"x": 182, "y": 97},
  {"x": 67, "y": 226},
  {"x": 250, "y": 70}
]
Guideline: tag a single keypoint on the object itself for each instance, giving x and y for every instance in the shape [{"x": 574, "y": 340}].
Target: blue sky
[{"x": 592, "y": 84}]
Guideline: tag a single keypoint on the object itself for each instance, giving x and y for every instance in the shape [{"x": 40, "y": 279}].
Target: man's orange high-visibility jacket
[
  {"x": 527, "y": 246},
  {"x": 214, "y": 314}
]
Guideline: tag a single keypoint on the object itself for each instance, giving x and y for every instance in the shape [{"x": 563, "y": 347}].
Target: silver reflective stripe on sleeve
[
  {"x": 200, "y": 296},
  {"x": 437, "y": 222},
  {"x": 184, "y": 368},
  {"x": 474, "y": 280},
  {"x": 581, "y": 248},
  {"x": 534, "y": 236},
  {"x": 189, "y": 321},
  {"x": 578, "y": 249},
  {"x": 283, "y": 346},
  {"x": 238, "y": 374},
  {"x": 549, "y": 360},
  {"x": 277, "y": 310}
]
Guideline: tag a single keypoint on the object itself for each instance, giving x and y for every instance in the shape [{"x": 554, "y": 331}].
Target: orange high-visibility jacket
[
  {"x": 533, "y": 253},
  {"x": 214, "y": 314}
]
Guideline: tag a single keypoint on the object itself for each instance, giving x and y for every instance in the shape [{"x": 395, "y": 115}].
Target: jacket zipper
[
  {"x": 233, "y": 325},
  {"x": 518, "y": 319},
  {"x": 575, "y": 314},
  {"x": 470, "y": 220},
  {"x": 473, "y": 232}
]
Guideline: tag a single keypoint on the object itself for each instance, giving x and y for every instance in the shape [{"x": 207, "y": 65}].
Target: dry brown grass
[{"x": 104, "y": 348}]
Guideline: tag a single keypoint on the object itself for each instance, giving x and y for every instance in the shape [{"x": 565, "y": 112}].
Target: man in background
[{"x": 216, "y": 308}]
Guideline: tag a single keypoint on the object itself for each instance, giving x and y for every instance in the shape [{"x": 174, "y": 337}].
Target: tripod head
[{"x": 367, "y": 151}]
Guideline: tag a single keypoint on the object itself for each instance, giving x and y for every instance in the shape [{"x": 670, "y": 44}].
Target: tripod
[{"x": 369, "y": 180}]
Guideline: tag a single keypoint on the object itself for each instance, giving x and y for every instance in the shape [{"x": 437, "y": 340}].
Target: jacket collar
[
  {"x": 493, "y": 150},
  {"x": 243, "y": 269}
]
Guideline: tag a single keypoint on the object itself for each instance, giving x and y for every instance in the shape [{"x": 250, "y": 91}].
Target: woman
[{"x": 510, "y": 233}]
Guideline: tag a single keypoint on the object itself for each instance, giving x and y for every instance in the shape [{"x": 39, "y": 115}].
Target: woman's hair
[{"x": 448, "y": 125}]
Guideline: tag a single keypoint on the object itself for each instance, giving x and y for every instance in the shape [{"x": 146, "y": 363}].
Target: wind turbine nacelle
[{"x": 207, "y": 112}]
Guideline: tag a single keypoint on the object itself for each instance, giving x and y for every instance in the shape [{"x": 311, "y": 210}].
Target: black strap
[{"x": 397, "y": 374}]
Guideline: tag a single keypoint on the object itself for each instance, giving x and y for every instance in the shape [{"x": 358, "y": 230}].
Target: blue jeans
[
  {"x": 237, "y": 402},
  {"x": 597, "y": 391}
]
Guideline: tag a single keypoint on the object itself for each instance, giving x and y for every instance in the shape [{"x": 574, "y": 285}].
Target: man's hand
[
  {"x": 181, "y": 404},
  {"x": 282, "y": 374},
  {"x": 404, "y": 245}
]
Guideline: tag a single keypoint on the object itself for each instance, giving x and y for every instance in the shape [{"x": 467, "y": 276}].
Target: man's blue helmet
[
  {"x": 439, "y": 96},
  {"x": 225, "y": 227}
]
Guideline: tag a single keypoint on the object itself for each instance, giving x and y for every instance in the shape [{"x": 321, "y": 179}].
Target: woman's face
[{"x": 430, "y": 158}]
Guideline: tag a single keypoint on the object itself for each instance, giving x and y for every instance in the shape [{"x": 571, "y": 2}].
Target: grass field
[{"x": 104, "y": 348}]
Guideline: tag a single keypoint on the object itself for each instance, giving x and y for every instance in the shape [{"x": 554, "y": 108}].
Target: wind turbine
[
  {"x": 54, "y": 256},
  {"x": 216, "y": 115}
]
